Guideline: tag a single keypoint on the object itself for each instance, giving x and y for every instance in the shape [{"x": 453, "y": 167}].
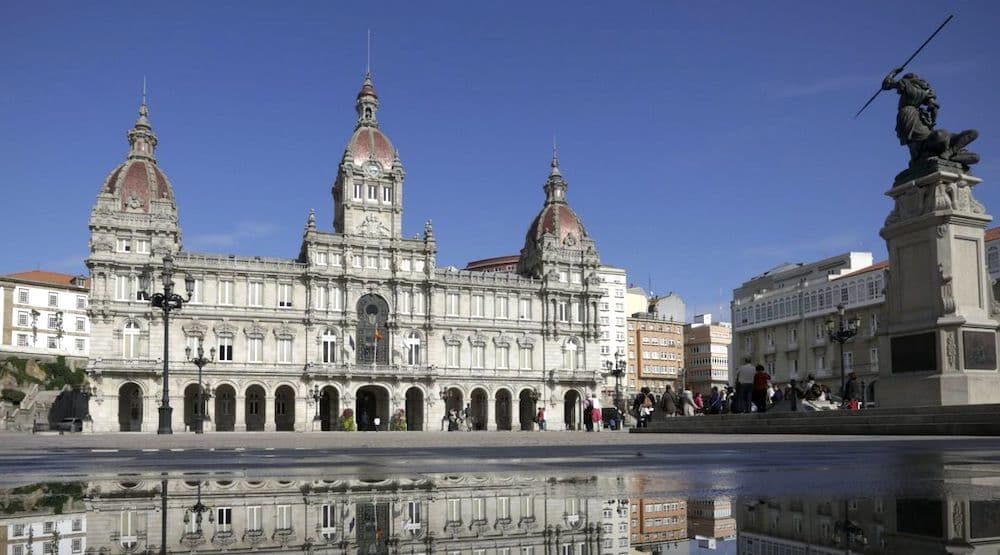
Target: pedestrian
[
  {"x": 595, "y": 414},
  {"x": 851, "y": 392},
  {"x": 540, "y": 419},
  {"x": 668, "y": 403},
  {"x": 699, "y": 404},
  {"x": 637, "y": 403},
  {"x": 744, "y": 386},
  {"x": 715, "y": 401},
  {"x": 467, "y": 417},
  {"x": 778, "y": 396},
  {"x": 761, "y": 381},
  {"x": 795, "y": 395},
  {"x": 646, "y": 410},
  {"x": 452, "y": 420},
  {"x": 687, "y": 403},
  {"x": 588, "y": 414},
  {"x": 378, "y": 421},
  {"x": 363, "y": 421}
]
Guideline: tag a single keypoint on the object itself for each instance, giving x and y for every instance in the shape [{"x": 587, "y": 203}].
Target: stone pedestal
[{"x": 939, "y": 332}]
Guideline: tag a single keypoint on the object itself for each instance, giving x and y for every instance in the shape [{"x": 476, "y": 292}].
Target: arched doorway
[
  {"x": 571, "y": 405},
  {"x": 130, "y": 408},
  {"x": 372, "y": 335},
  {"x": 527, "y": 409},
  {"x": 255, "y": 409},
  {"x": 414, "y": 409},
  {"x": 503, "y": 410},
  {"x": 329, "y": 408},
  {"x": 371, "y": 402},
  {"x": 284, "y": 409},
  {"x": 225, "y": 408},
  {"x": 453, "y": 401},
  {"x": 480, "y": 411},
  {"x": 192, "y": 408}
]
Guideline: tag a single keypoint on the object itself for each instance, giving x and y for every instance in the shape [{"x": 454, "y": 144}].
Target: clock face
[{"x": 373, "y": 170}]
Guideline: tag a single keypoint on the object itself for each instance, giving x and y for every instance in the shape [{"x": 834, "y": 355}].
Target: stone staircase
[{"x": 973, "y": 420}]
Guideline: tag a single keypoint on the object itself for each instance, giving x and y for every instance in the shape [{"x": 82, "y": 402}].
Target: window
[
  {"x": 255, "y": 293},
  {"x": 284, "y": 517},
  {"x": 255, "y": 349},
  {"x": 577, "y": 313},
  {"x": 319, "y": 298},
  {"x": 387, "y": 194},
  {"x": 18, "y": 549},
  {"x": 142, "y": 246},
  {"x": 284, "y": 350},
  {"x": 525, "y": 356},
  {"x": 80, "y": 344},
  {"x": 357, "y": 191},
  {"x": 525, "y": 312},
  {"x": 320, "y": 258},
  {"x": 81, "y": 323},
  {"x": 226, "y": 292},
  {"x": 562, "y": 312},
  {"x": 404, "y": 302},
  {"x": 22, "y": 318},
  {"x": 414, "y": 516},
  {"x": 284, "y": 295},
  {"x": 478, "y": 356},
  {"x": 22, "y": 340},
  {"x": 873, "y": 324},
  {"x": 130, "y": 340},
  {"x": 454, "y": 355},
  {"x": 503, "y": 356},
  {"x": 76, "y": 546},
  {"x": 254, "y": 521},
  {"x": 383, "y": 263},
  {"x": 81, "y": 302},
  {"x": 328, "y": 520},
  {"x": 356, "y": 260},
  {"x": 503, "y": 507},
  {"x": 418, "y": 265},
  {"x": 477, "y": 306},
  {"x": 52, "y": 343},
  {"x": 329, "y": 347},
  {"x": 224, "y": 519},
  {"x": 371, "y": 261},
  {"x": 479, "y": 509},
  {"x": 335, "y": 298},
  {"x": 197, "y": 296},
  {"x": 848, "y": 361},
  {"x": 452, "y": 305},
  {"x": 413, "y": 348},
  {"x": 571, "y": 356},
  {"x": 454, "y": 510},
  {"x": 373, "y": 192},
  {"x": 418, "y": 303},
  {"x": 226, "y": 349},
  {"x": 527, "y": 507},
  {"x": 127, "y": 530},
  {"x": 18, "y": 530},
  {"x": 993, "y": 259},
  {"x": 53, "y": 321},
  {"x": 873, "y": 358},
  {"x": 123, "y": 288},
  {"x": 22, "y": 296},
  {"x": 820, "y": 362},
  {"x": 123, "y": 245},
  {"x": 501, "y": 308}
]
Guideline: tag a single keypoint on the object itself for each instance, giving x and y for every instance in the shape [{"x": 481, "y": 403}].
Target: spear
[{"x": 908, "y": 60}]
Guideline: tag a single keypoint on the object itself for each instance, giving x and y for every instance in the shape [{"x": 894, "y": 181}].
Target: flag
[
  {"x": 352, "y": 526},
  {"x": 378, "y": 334},
  {"x": 350, "y": 338}
]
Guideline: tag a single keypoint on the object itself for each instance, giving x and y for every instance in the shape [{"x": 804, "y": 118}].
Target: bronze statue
[{"x": 915, "y": 121}]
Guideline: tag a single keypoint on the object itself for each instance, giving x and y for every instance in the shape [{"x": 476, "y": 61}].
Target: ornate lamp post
[
  {"x": 34, "y": 327},
  {"x": 197, "y": 510},
  {"x": 200, "y": 361},
  {"x": 317, "y": 395},
  {"x": 167, "y": 301},
  {"x": 617, "y": 369},
  {"x": 842, "y": 331},
  {"x": 59, "y": 328}
]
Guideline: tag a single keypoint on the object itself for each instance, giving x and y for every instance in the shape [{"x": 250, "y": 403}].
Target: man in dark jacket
[{"x": 668, "y": 403}]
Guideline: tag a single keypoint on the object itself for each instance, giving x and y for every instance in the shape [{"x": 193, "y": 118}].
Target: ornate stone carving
[
  {"x": 255, "y": 330},
  {"x": 224, "y": 329},
  {"x": 958, "y": 519},
  {"x": 195, "y": 329},
  {"x": 951, "y": 350},
  {"x": 947, "y": 299},
  {"x": 371, "y": 227},
  {"x": 284, "y": 331}
]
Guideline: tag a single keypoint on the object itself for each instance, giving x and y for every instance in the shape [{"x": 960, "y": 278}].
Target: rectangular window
[
  {"x": 319, "y": 297},
  {"x": 418, "y": 302},
  {"x": 254, "y": 520},
  {"x": 336, "y": 298},
  {"x": 577, "y": 310},
  {"x": 81, "y": 323},
  {"x": 255, "y": 293},
  {"x": 503, "y": 356},
  {"x": 52, "y": 342},
  {"x": 224, "y": 519},
  {"x": 525, "y": 356},
  {"x": 23, "y": 318},
  {"x": 81, "y": 302},
  {"x": 320, "y": 258},
  {"x": 527, "y": 507},
  {"x": 284, "y": 517},
  {"x": 479, "y": 509},
  {"x": 80, "y": 345},
  {"x": 371, "y": 261},
  {"x": 225, "y": 349},
  {"x": 225, "y": 292},
  {"x": 142, "y": 246},
  {"x": 255, "y": 349},
  {"x": 357, "y": 191},
  {"x": 404, "y": 302},
  {"x": 123, "y": 245},
  {"x": 197, "y": 296},
  {"x": 501, "y": 308},
  {"x": 284, "y": 295},
  {"x": 405, "y": 264},
  {"x": 562, "y": 313},
  {"x": 76, "y": 546},
  {"x": 387, "y": 194},
  {"x": 123, "y": 288},
  {"x": 503, "y": 507},
  {"x": 373, "y": 192},
  {"x": 525, "y": 311},
  {"x": 452, "y": 304},
  {"x": 873, "y": 358},
  {"x": 329, "y": 349},
  {"x": 478, "y": 356},
  {"x": 873, "y": 324},
  {"x": 22, "y": 340},
  {"x": 328, "y": 518},
  {"x": 22, "y": 296},
  {"x": 284, "y": 350},
  {"x": 477, "y": 306},
  {"x": 356, "y": 260},
  {"x": 454, "y": 355}
]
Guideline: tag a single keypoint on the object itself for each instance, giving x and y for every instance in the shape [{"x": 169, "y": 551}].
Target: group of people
[
  {"x": 458, "y": 420},
  {"x": 756, "y": 393}
]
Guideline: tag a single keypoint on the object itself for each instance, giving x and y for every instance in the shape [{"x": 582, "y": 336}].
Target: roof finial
[
  {"x": 555, "y": 158},
  {"x": 143, "y": 90},
  {"x": 368, "y": 57}
]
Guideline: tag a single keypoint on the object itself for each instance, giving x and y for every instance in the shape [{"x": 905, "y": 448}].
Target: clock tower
[{"x": 368, "y": 192}]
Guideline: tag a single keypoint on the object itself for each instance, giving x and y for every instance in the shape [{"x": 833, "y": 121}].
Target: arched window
[
  {"x": 130, "y": 340},
  {"x": 413, "y": 348},
  {"x": 571, "y": 355},
  {"x": 329, "y": 346}
]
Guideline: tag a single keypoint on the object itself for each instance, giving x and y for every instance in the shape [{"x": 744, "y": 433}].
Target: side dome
[{"x": 135, "y": 183}]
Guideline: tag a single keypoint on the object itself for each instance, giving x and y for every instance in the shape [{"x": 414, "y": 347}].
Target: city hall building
[{"x": 362, "y": 318}]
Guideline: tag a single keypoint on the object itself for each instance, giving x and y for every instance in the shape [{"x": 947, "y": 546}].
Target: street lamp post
[
  {"x": 617, "y": 369},
  {"x": 59, "y": 329},
  {"x": 167, "y": 301},
  {"x": 316, "y": 395},
  {"x": 842, "y": 331},
  {"x": 200, "y": 361}
]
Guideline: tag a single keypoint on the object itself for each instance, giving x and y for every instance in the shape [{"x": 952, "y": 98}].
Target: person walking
[
  {"x": 699, "y": 403},
  {"x": 851, "y": 389},
  {"x": 588, "y": 414},
  {"x": 540, "y": 419},
  {"x": 687, "y": 403},
  {"x": 668, "y": 403},
  {"x": 744, "y": 386},
  {"x": 715, "y": 401},
  {"x": 761, "y": 381},
  {"x": 595, "y": 413}
]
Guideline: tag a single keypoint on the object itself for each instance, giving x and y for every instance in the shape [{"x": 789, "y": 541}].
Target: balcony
[
  {"x": 769, "y": 349},
  {"x": 792, "y": 346}
]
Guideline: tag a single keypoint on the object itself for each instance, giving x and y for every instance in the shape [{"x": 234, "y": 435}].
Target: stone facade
[{"x": 362, "y": 318}]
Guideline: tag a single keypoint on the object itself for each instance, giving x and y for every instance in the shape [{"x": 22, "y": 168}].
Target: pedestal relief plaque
[
  {"x": 914, "y": 353},
  {"x": 980, "y": 348}
]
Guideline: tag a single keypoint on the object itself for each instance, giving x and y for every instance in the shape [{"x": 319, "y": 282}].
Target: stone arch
[
  {"x": 415, "y": 396},
  {"x": 571, "y": 409},
  {"x": 372, "y": 336},
  {"x": 527, "y": 408},
  {"x": 225, "y": 408},
  {"x": 255, "y": 407},
  {"x": 329, "y": 408},
  {"x": 130, "y": 413},
  {"x": 284, "y": 408},
  {"x": 194, "y": 410},
  {"x": 503, "y": 408},
  {"x": 454, "y": 398},
  {"x": 370, "y": 402},
  {"x": 479, "y": 401}
]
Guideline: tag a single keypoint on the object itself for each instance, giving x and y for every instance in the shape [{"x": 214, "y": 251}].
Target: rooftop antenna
[
  {"x": 143, "y": 89},
  {"x": 368, "y": 58}
]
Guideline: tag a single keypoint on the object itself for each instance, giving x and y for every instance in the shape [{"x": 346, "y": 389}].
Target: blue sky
[{"x": 704, "y": 142}]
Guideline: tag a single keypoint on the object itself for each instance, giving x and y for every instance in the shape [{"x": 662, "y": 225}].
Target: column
[
  {"x": 240, "y": 412},
  {"x": 491, "y": 414}
]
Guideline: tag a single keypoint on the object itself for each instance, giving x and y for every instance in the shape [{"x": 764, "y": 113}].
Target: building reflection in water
[{"x": 466, "y": 514}]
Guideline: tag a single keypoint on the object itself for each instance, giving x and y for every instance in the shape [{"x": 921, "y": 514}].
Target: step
[{"x": 875, "y": 427}]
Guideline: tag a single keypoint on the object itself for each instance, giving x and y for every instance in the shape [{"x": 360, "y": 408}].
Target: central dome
[
  {"x": 368, "y": 143},
  {"x": 558, "y": 220}
]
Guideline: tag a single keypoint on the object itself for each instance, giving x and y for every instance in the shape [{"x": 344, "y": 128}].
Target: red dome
[
  {"x": 136, "y": 182},
  {"x": 559, "y": 220},
  {"x": 368, "y": 143}
]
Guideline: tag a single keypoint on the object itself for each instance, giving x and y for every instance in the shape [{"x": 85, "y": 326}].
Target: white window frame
[
  {"x": 255, "y": 293},
  {"x": 226, "y": 292},
  {"x": 225, "y": 353},
  {"x": 284, "y": 350},
  {"x": 255, "y": 349},
  {"x": 285, "y": 292}
]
